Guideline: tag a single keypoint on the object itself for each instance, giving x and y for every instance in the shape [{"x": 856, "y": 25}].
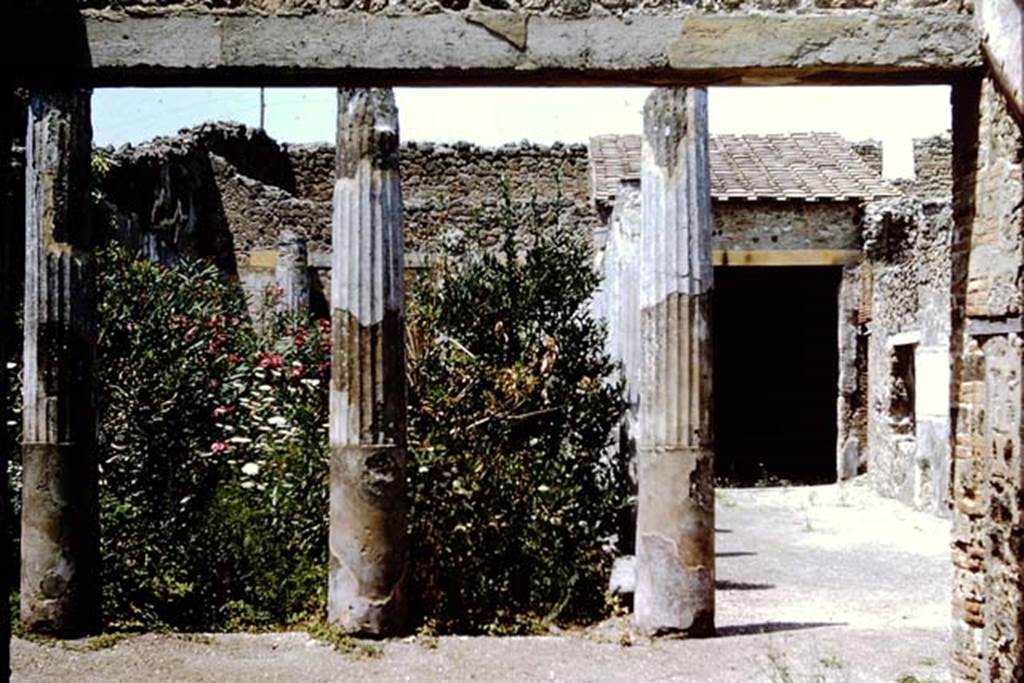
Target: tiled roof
[{"x": 808, "y": 166}]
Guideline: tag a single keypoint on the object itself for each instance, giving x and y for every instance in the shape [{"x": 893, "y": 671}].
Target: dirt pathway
[{"x": 815, "y": 584}]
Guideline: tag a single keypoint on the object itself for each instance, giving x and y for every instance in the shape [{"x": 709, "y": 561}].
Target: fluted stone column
[
  {"x": 292, "y": 272},
  {"x": 675, "y": 588},
  {"x": 368, "y": 550},
  {"x": 59, "y": 528},
  {"x": 7, "y": 325}
]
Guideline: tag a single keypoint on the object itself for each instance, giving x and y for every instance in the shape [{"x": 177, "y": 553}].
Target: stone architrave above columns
[
  {"x": 59, "y": 526},
  {"x": 368, "y": 549},
  {"x": 675, "y": 590}
]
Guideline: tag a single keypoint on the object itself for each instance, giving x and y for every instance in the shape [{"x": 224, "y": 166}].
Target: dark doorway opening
[{"x": 776, "y": 369}]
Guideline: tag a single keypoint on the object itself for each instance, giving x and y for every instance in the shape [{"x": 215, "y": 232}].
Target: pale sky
[{"x": 493, "y": 116}]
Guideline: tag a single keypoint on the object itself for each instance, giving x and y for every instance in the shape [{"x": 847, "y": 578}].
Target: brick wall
[{"x": 988, "y": 481}]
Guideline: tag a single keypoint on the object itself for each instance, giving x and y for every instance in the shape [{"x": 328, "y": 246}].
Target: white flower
[
  {"x": 247, "y": 484},
  {"x": 264, "y": 387},
  {"x": 239, "y": 439},
  {"x": 277, "y": 421},
  {"x": 543, "y": 487},
  {"x": 250, "y": 469}
]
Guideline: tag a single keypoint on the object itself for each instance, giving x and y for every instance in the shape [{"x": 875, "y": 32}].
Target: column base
[
  {"x": 675, "y": 543},
  {"x": 59, "y": 541},
  {"x": 366, "y": 592}
]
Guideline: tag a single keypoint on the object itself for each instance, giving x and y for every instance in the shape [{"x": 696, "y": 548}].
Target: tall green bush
[
  {"x": 213, "y": 444},
  {"x": 170, "y": 340},
  {"x": 515, "y": 496},
  {"x": 212, "y": 451}
]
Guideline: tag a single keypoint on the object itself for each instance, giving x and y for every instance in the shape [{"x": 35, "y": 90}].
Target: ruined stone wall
[
  {"x": 988, "y": 482},
  {"x": 225, "y": 188},
  {"x": 871, "y": 152},
  {"x": 772, "y": 224},
  {"x": 933, "y": 166},
  {"x": 250, "y": 189},
  {"x": 906, "y": 246},
  {"x": 452, "y": 192}
]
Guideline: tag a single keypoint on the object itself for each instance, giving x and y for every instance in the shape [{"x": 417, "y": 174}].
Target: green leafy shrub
[
  {"x": 515, "y": 496},
  {"x": 212, "y": 442},
  {"x": 213, "y": 445},
  {"x": 276, "y": 505},
  {"x": 170, "y": 342}
]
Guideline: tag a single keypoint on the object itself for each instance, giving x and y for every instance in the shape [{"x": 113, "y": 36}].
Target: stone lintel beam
[
  {"x": 368, "y": 550},
  {"x": 358, "y": 49},
  {"x": 59, "y": 526},
  {"x": 675, "y": 589}
]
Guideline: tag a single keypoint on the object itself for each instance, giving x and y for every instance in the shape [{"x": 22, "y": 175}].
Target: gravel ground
[{"x": 822, "y": 583}]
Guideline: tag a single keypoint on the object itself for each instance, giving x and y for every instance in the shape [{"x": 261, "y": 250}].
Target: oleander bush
[
  {"x": 515, "y": 495},
  {"x": 212, "y": 451}
]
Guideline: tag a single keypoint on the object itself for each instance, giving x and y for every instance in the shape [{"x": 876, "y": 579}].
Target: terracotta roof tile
[{"x": 809, "y": 166}]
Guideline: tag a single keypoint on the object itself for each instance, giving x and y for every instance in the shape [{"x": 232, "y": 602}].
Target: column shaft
[
  {"x": 368, "y": 550},
  {"x": 59, "y": 529},
  {"x": 7, "y": 325},
  {"x": 292, "y": 272},
  {"x": 675, "y": 589}
]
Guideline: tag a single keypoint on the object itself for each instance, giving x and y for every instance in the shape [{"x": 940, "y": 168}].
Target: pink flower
[
  {"x": 297, "y": 370},
  {"x": 271, "y": 360},
  {"x": 218, "y": 447},
  {"x": 223, "y": 410}
]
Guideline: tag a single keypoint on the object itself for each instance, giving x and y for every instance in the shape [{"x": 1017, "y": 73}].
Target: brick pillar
[
  {"x": 292, "y": 272},
  {"x": 59, "y": 529},
  {"x": 988, "y": 466},
  {"x": 368, "y": 549},
  {"x": 675, "y": 587}
]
